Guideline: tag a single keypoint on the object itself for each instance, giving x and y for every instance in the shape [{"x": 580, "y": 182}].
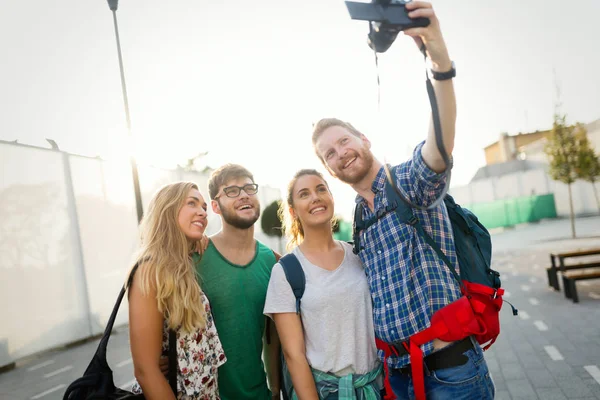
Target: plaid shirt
[
  {"x": 348, "y": 387},
  {"x": 408, "y": 281}
]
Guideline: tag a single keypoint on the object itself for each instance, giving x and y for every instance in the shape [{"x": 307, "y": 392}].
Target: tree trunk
[{"x": 572, "y": 214}]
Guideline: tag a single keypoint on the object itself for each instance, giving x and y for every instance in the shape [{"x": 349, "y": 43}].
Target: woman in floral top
[{"x": 165, "y": 295}]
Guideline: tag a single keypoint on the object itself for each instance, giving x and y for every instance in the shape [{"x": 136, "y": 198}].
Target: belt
[{"x": 448, "y": 357}]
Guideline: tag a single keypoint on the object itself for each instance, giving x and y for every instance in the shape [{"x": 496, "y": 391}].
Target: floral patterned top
[{"x": 199, "y": 355}]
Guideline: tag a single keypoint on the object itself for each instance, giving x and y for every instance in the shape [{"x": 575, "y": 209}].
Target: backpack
[
  {"x": 477, "y": 311},
  {"x": 295, "y": 277}
]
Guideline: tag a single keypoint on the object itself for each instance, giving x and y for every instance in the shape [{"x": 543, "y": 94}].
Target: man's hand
[
  {"x": 430, "y": 36},
  {"x": 163, "y": 363},
  {"x": 202, "y": 244}
]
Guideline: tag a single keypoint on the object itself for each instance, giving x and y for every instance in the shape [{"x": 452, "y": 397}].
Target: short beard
[
  {"x": 237, "y": 222},
  {"x": 367, "y": 158}
]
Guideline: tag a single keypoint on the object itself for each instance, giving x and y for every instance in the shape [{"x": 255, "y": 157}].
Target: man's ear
[
  {"x": 215, "y": 207},
  {"x": 329, "y": 169},
  {"x": 365, "y": 140}
]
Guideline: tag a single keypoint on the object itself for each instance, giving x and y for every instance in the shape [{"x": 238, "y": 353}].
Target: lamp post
[{"x": 113, "y": 5}]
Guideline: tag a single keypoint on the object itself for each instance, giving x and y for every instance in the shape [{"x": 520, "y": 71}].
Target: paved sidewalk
[
  {"x": 550, "y": 351},
  {"x": 47, "y": 377}
]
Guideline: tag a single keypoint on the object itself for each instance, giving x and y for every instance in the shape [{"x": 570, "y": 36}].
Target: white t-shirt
[{"x": 336, "y": 314}]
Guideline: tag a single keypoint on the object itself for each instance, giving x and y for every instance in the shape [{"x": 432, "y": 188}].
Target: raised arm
[{"x": 437, "y": 52}]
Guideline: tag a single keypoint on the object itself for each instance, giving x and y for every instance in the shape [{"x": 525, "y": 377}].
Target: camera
[{"x": 386, "y": 19}]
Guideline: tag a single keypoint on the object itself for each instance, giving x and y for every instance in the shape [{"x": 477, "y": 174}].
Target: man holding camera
[{"x": 408, "y": 280}]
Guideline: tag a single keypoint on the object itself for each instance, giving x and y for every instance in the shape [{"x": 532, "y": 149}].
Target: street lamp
[{"x": 113, "y": 5}]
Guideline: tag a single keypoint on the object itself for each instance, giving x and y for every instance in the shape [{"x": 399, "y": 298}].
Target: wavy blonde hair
[
  {"x": 292, "y": 227},
  {"x": 165, "y": 261}
]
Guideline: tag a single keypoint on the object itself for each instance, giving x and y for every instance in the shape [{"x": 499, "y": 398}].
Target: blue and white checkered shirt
[{"x": 408, "y": 281}]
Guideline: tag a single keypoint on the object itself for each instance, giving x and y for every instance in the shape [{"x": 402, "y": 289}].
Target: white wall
[
  {"x": 527, "y": 183},
  {"x": 68, "y": 230},
  {"x": 108, "y": 232},
  {"x": 44, "y": 303},
  {"x": 482, "y": 191}
]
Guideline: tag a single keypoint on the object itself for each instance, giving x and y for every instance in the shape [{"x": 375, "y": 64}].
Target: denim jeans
[{"x": 470, "y": 381}]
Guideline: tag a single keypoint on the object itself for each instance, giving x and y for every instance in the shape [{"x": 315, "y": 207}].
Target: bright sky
[{"x": 238, "y": 78}]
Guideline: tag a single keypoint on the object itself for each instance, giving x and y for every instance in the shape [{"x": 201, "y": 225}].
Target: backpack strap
[
  {"x": 295, "y": 276},
  {"x": 405, "y": 214},
  {"x": 357, "y": 226}
]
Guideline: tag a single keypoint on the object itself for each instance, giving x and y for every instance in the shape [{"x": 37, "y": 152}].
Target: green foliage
[
  {"x": 342, "y": 230},
  {"x": 270, "y": 222},
  {"x": 562, "y": 150},
  {"x": 195, "y": 163},
  {"x": 588, "y": 167}
]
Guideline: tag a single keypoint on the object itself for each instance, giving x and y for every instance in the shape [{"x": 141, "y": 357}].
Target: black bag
[{"x": 97, "y": 380}]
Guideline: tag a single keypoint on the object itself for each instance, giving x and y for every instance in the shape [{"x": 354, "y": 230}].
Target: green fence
[
  {"x": 509, "y": 212},
  {"x": 495, "y": 214},
  {"x": 345, "y": 231}
]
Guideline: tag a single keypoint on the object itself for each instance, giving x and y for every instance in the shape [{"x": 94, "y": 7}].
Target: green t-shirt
[{"x": 237, "y": 297}]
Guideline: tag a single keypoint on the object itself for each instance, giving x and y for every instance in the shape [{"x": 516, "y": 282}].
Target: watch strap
[{"x": 442, "y": 76}]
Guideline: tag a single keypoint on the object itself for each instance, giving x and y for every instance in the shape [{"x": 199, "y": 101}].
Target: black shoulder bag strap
[
  {"x": 97, "y": 380},
  {"x": 173, "y": 365}
]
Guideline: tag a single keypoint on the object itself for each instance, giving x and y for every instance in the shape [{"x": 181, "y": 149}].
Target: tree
[
  {"x": 588, "y": 167},
  {"x": 563, "y": 154},
  {"x": 342, "y": 230},
  {"x": 270, "y": 223},
  {"x": 195, "y": 163}
]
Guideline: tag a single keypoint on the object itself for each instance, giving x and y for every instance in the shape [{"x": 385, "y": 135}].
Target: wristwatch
[{"x": 442, "y": 76}]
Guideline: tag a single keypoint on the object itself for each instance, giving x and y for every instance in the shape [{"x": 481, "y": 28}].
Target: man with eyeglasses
[{"x": 234, "y": 273}]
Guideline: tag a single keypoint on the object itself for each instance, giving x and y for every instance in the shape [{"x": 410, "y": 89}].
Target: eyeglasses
[{"x": 234, "y": 191}]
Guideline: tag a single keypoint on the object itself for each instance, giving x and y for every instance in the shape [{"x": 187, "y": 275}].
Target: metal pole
[{"x": 113, "y": 5}]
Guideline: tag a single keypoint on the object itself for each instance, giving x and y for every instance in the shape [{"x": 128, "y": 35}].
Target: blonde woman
[
  {"x": 329, "y": 348},
  {"x": 165, "y": 295}
]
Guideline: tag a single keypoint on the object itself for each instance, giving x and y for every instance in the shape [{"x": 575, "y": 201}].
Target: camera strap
[{"x": 439, "y": 139}]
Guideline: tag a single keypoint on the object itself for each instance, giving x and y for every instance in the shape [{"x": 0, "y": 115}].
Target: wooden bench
[
  {"x": 557, "y": 261},
  {"x": 569, "y": 279}
]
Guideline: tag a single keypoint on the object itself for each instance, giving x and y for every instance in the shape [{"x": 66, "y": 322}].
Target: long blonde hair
[
  {"x": 292, "y": 227},
  {"x": 165, "y": 261}
]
